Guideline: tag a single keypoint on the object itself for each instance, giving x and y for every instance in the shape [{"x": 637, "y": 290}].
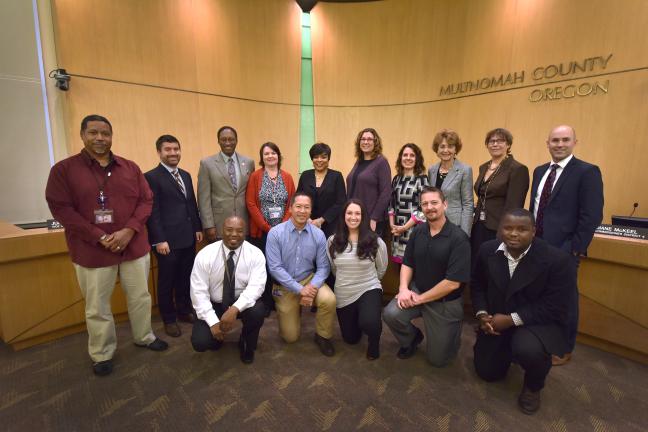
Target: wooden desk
[
  {"x": 40, "y": 298},
  {"x": 613, "y": 286}
]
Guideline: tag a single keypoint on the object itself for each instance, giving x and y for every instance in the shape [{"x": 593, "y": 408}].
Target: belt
[{"x": 450, "y": 297}]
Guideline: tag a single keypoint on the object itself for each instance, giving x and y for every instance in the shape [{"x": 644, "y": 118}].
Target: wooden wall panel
[
  {"x": 403, "y": 52},
  {"x": 245, "y": 49}
]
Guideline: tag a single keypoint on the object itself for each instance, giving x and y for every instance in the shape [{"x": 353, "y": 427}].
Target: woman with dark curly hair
[
  {"x": 359, "y": 259},
  {"x": 404, "y": 209},
  {"x": 368, "y": 181}
]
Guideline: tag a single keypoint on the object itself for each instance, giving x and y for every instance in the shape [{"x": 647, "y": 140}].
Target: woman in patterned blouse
[
  {"x": 268, "y": 196},
  {"x": 404, "y": 210}
]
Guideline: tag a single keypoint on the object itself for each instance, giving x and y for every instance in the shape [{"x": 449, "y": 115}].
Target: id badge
[
  {"x": 275, "y": 212},
  {"x": 482, "y": 215},
  {"x": 103, "y": 216}
]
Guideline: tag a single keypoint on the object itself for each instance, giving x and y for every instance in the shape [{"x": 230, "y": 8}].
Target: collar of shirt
[
  {"x": 563, "y": 163},
  {"x": 502, "y": 247},
  {"x": 89, "y": 160},
  {"x": 445, "y": 229},
  {"x": 237, "y": 251},
  {"x": 292, "y": 227},
  {"x": 226, "y": 158},
  {"x": 170, "y": 169}
]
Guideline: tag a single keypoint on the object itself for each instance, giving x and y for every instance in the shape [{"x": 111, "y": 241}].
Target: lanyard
[
  {"x": 238, "y": 257},
  {"x": 102, "y": 199},
  {"x": 488, "y": 182}
]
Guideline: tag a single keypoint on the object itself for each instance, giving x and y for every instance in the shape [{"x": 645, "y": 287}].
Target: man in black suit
[
  {"x": 174, "y": 228},
  {"x": 567, "y": 202},
  {"x": 520, "y": 288}
]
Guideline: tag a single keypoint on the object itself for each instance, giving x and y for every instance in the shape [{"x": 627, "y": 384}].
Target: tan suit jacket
[{"x": 217, "y": 200}]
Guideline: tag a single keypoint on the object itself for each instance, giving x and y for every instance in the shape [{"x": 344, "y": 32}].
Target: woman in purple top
[{"x": 370, "y": 179}]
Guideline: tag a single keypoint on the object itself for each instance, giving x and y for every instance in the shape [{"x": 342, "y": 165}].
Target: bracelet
[{"x": 103, "y": 237}]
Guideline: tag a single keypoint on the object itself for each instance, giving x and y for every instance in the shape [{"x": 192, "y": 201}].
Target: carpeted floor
[{"x": 294, "y": 388}]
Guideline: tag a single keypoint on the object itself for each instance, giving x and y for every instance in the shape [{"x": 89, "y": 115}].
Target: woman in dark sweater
[{"x": 370, "y": 179}]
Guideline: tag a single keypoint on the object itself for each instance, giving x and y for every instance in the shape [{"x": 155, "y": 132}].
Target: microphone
[{"x": 634, "y": 207}]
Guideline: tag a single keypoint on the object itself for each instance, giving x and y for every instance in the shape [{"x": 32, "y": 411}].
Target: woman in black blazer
[
  {"x": 326, "y": 188},
  {"x": 502, "y": 185}
]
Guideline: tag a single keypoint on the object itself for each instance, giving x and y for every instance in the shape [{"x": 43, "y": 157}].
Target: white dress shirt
[
  {"x": 561, "y": 167},
  {"x": 207, "y": 278}
]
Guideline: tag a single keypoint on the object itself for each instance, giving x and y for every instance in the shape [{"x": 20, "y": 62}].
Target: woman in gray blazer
[{"x": 453, "y": 178}]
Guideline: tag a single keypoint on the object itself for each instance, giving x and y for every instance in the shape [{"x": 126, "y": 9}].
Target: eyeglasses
[
  {"x": 496, "y": 141},
  {"x": 367, "y": 139}
]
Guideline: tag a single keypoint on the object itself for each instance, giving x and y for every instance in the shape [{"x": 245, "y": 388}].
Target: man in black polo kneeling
[{"x": 435, "y": 267}]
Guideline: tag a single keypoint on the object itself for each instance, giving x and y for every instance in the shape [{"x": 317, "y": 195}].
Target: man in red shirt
[{"x": 103, "y": 201}]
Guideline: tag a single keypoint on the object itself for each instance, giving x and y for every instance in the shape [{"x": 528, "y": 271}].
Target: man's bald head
[
  {"x": 561, "y": 142},
  {"x": 233, "y": 232}
]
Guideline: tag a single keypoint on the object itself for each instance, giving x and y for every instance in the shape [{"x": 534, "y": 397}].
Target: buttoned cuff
[
  {"x": 481, "y": 312},
  {"x": 211, "y": 319},
  {"x": 516, "y": 319}
]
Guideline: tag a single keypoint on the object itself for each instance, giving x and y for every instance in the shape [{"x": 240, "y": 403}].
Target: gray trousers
[{"x": 442, "y": 322}]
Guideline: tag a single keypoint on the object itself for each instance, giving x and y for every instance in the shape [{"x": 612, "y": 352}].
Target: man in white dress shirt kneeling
[{"x": 227, "y": 280}]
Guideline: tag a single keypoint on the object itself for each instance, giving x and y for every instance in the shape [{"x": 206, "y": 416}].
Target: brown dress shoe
[
  {"x": 559, "y": 361},
  {"x": 529, "y": 401},
  {"x": 172, "y": 329}
]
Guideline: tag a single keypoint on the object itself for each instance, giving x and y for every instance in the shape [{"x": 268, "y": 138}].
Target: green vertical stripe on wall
[{"x": 307, "y": 111}]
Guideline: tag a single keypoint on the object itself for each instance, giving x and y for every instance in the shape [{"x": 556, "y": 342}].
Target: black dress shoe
[
  {"x": 103, "y": 368},
  {"x": 188, "y": 318},
  {"x": 373, "y": 352},
  {"x": 247, "y": 355},
  {"x": 172, "y": 329},
  {"x": 157, "y": 345},
  {"x": 407, "y": 352},
  {"x": 325, "y": 345},
  {"x": 529, "y": 401}
]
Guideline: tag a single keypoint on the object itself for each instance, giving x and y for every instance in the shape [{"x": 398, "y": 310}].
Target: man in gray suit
[{"x": 222, "y": 180}]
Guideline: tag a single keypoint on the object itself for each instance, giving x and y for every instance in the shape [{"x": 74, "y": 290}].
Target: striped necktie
[{"x": 176, "y": 176}]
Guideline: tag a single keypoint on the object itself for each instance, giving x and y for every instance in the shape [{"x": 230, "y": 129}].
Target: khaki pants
[
  {"x": 97, "y": 285},
  {"x": 289, "y": 312}
]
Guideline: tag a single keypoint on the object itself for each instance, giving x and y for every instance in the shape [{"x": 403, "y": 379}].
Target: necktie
[
  {"x": 176, "y": 176},
  {"x": 232, "y": 172},
  {"x": 544, "y": 199},
  {"x": 228, "y": 282}
]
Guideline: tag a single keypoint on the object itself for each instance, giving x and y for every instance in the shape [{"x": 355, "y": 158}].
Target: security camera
[{"x": 62, "y": 79}]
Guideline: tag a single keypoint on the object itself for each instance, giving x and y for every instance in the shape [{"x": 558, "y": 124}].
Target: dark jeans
[
  {"x": 363, "y": 316},
  {"x": 494, "y": 354},
  {"x": 174, "y": 272},
  {"x": 252, "y": 318}
]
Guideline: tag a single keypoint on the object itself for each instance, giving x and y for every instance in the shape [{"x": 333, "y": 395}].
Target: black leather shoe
[
  {"x": 325, "y": 345},
  {"x": 157, "y": 345},
  {"x": 407, "y": 352},
  {"x": 529, "y": 401},
  {"x": 373, "y": 353},
  {"x": 172, "y": 329},
  {"x": 188, "y": 318},
  {"x": 247, "y": 355},
  {"x": 103, "y": 368}
]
